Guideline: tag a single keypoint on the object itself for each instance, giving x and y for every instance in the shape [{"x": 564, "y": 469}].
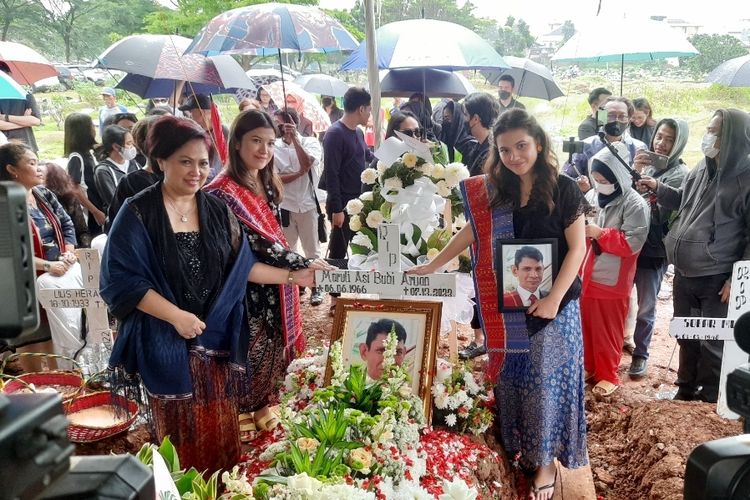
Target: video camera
[
  {"x": 572, "y": 146},
  {"x": 720, "y": 469},
  {"x": 35, "y": 454}
]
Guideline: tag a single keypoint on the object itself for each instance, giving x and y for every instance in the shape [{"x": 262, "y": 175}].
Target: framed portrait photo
[
  {"x": 363, "y": 325},
  {"x": 525, "y": 271}
]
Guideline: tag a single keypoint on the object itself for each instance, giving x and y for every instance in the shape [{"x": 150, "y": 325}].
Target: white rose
[
  {"x": 404, "y": 391},
  {"x": 382, "y": 167},
  {"x": 457, "y": 490},
  {"x": 355, "y": 206},
  {"x": 409, "y": 160},
  {"x": 426, "y": 168},
  {"x": 438, "y": 171},
  {"x": 432, "y": 253},
  {"x": 393, "y": 184},
  {"x": 366, "y": 196},
  {"x": 362, "y": 240},
  {"x": 303, "y": 483},
  {"x": 444, "y": 371},
  {"x": 369, "y": 176},
  {"x": 443, "y": 189},
  {"x": 355, "y": 224},
  {"x": 374, "y": 218}
]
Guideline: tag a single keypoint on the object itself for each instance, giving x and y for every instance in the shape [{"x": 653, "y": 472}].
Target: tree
[
  {"x": 62, "y": 17},
  {"x": 514, "y": 38},
  {"x": 10, "y": 10},
  {"x": 348, "y": 21},
  {"x": 714, "y": 50},
  {"x": 568, "y": 30}
]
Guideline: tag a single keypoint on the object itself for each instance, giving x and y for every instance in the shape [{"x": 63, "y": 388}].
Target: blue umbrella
[
  {"x": 418, "y": 43},
  {"x": 9, "y": 89}
]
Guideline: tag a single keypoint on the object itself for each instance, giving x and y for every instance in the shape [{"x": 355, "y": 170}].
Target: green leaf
[
  {"x": 417, "y": 234},
  {"x": 370, "y": 234},
  {"x": 185, "y": 483},
  {"x": 359, "y": 249},
  {"x": 146, "y": 454},
  {"x": 169, "y": 453}
]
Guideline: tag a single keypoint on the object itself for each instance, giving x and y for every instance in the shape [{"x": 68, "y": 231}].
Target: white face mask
[
  {"x": 707, "y": 145},
  {"x": 129, "y": 153},
  {"x": 605, "y": 189}
]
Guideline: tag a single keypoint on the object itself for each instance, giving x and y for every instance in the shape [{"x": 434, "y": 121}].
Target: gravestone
[
  {"x": 721, "y": 329},
  {"x": 99, "y": 336}
]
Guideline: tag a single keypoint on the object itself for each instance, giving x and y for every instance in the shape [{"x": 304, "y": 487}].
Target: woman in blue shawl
[{"x": 174, "y": 274}]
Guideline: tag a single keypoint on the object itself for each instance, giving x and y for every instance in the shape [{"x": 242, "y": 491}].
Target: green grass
[{"x": 690, "y": 101}]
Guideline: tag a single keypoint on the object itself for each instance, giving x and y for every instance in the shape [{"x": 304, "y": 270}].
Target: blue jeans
[{"x": 647, "y": 283}]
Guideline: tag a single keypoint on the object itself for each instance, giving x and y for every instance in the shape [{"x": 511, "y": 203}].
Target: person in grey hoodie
[
  {"x": 708, "y": 235},
  {"x": 669, "y": 140}
]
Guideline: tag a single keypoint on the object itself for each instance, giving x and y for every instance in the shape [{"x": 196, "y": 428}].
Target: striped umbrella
[{"x": 27, "y": 66}]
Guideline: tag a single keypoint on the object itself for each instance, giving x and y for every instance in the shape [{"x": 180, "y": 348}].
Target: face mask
[
  {"x": 605, "y": 189},
  {"x": 504, "y": 94},
  {"x": 616, "y": 129},
  {"x": 707, "y": 145},
  {"x": 129, "y": 153}
]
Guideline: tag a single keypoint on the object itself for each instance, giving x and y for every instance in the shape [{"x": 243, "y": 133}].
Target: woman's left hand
[
  {"x": 545, "y": 308},
  {"x": 69, "y": 258},
  {"x": 593, "y": 231},
  {"x": 321, "y": 265},
  {"x": 304, "y": 277}
]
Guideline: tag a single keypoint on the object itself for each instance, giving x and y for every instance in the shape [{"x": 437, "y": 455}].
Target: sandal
[
  {"x": 268, "y": 422},
  {"x": 604, "y": 388},
  {"x": 247, "y": 426},
  {"x": 535, "y": 490}
]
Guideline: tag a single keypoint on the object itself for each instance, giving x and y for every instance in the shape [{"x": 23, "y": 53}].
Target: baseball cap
[
  {"x": 195, "y": 101},
  {"x": 108, "y": 91}
]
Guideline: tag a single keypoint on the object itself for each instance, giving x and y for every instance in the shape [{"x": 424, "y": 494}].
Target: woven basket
[
  {"x": 85, "y": 434},
  {"x": 70, "y": 380}
]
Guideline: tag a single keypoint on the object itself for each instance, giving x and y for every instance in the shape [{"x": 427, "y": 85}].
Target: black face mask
[
  {"x": 504, "y": 94},
  {"x": 615, "y": 129}
]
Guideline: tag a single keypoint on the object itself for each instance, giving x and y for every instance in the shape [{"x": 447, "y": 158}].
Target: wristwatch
[
  {"x": 290, "y": 277},
  {"x": 46, "y": 267}
]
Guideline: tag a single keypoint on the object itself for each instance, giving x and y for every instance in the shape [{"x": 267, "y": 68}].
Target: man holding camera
[
  {"x": 296, "y": 159},
  {"x": 708, "y": 235},
  {"x": 590, "y": 126},
  {"x": 663, "y": 162}
]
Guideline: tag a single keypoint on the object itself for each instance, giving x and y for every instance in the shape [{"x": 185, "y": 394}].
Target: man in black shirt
[
  {"x": 481, "y": 112},
  {"x": 589, "y": 127},
  {"x": 505, "y": 87},
  {"x": 18, "y": 116}
]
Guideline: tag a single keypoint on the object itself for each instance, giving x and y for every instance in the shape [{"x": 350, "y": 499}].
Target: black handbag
[{"x": 322, "y": 229}]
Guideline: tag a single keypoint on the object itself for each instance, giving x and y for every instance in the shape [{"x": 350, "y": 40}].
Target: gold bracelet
[{"x": 290, "y": 278}]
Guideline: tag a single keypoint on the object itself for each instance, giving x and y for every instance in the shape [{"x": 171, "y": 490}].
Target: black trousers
[{"x": 700, "y": 360}]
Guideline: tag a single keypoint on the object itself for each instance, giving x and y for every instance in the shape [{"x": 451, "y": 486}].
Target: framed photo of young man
[
  {"x": 525, "y": 271},
  {"x": 363, "y": 325}
]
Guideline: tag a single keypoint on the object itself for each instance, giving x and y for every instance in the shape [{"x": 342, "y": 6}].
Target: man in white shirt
[{"x": 297, "y": 160}]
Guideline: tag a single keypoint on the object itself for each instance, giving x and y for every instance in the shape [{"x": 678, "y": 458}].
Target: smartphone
[
  {"x": 601, "y": 117},
  {"x": 659, "y": 162}
]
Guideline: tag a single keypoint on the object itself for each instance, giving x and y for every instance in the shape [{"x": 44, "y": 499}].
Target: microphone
[{"x": 742, "y": 332}]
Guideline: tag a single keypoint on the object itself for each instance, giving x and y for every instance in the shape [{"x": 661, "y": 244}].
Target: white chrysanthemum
[
  {"x": 461, "y": 397},
  {"x": 382, "y": 167},
  {"x": 369, "y": 176},
  {"x": 304, "y": 484},
  {"x": 355, "y": 224},
  {"x": 443, "y": 189},
  {"x": 355, "y": 206},
  {"x": 409, "y": 160},
  {"x": 374, "y": 218},
  {"x": 471, "y": 385},
  {"x": 450, "y": 420},
  {"x": 457, "y": 490},
  {"x": 426, "y": 168},
  {"x": 455, "y": 173},
  {"x": 432, "y": 253},
  {"x": 438, "y": 171},
  {"x": 362, "y": 240},
  {"x": 366, "y": 196},
  {"x": 392, "y": 183}
]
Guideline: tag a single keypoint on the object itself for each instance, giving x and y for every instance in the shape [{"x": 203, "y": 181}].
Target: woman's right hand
[
  {"x": 58, "y": 268},
  {"x": 187, "y": 324},
  {"x": 423, "y": 269}
]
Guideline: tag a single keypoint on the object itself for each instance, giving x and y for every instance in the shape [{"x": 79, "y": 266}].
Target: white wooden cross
[
  {"x": 721, "y": 329},
  {"x": 99, "y": 336},
  {"x": 388, "y": 281}
]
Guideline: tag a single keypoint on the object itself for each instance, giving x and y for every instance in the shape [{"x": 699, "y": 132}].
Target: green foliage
[
  {"x": 514, "y": 38},
  {"x": 357, "y": 394},
  {"x": 348, "y": 21},
  {"x": 714, "y": 50}
]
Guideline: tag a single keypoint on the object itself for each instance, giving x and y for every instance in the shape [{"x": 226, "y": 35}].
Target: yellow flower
[
  {"x": 409, "y": 160},
  {"x": 307, "y": 444}
]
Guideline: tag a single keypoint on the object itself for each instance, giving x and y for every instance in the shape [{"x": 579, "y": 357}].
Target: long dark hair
[
  {"x": 80, "y": 136},
  {"x": 507, "y": 185},
  {"x": 245, "y": 122},
  {"x": 396, "y": 120},
  {"x": 642, "y": 104},
  {"x": 168, "y": 134},
  {"x": 59, "y": 182},
  {"x": 112, "y": 134}
]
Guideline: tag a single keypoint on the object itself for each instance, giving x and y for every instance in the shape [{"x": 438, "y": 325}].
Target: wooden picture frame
[
  {"x": 517, "y": 282},
  {"x": 421, "y": 322}
]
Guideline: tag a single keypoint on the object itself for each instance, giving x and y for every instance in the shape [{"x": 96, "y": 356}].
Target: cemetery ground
[{"x": 638, "y": 442}]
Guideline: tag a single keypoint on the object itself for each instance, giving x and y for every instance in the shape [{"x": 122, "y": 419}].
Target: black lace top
[{"x": 201, "y": 281}]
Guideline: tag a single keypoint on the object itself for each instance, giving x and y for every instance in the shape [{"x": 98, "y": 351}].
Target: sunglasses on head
[{"x": 412, "y": 132}]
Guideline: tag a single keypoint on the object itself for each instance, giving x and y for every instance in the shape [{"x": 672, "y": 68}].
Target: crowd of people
[{"x": 211, "y": 234}]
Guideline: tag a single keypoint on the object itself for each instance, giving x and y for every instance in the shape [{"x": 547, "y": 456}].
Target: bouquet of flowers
[{"x": 460, "y": 401}]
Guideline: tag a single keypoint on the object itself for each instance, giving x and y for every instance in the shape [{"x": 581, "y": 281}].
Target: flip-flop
[
  {"x": 551, "y": 486},
  {"x": 268, "y": 422},
  {"x": 246, "y": 426},
  {"x": 604, "y": 388}
]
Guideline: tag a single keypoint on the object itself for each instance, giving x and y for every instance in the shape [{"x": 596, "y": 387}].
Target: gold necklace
[{"x": 183, "y": 217}]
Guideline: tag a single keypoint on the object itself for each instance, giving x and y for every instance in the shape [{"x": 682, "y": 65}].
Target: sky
[{"x": 714, "y": 15}]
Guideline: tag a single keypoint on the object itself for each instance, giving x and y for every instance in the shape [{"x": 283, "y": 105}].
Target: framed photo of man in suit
[{"x": 525, "y": 271}]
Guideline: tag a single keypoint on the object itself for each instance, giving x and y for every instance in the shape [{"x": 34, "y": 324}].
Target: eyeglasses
[
  {"x": 412, "y": 132},
  {"x": 160, "y": 100},
  {"x": 622, "y": 117}
]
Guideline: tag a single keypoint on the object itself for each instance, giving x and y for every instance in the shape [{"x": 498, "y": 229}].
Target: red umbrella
[{"x": 27, "y": 66}]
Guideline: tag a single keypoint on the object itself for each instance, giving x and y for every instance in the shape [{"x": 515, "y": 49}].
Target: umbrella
[
  {"x": 27, "y": 66},
  {"x": 310, "y": 107},
  {"x": 733, "y": 73},
  {"x": 10, "y": 89},
  {"x": 532, "y": 79},
  {"x": 428, "y": 43},
  {"x": 428, "y": 81},
  {"x": 155, "y": 64},
  {"x": 597, "y": 43},
  {"x": 322, "y": 84},
  {"x": 269, "y": 28}
]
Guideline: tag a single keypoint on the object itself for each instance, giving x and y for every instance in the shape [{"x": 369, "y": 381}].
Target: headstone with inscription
[{"x": 95, "y": 355}]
